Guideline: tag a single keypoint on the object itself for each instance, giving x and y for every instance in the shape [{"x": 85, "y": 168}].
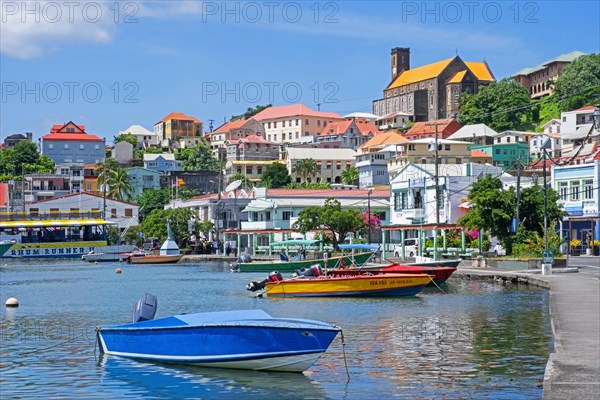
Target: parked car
[{"x": 411, "y": 248}]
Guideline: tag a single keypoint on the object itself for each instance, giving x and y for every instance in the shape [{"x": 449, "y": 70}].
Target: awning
[
  {"x": 259, "y": 205},
  {"x": 52, "y": 223},
  {"x": 338, "y": 163},
  {"x": 328, "y": 162},
  {"x": 466, "y": 205}
]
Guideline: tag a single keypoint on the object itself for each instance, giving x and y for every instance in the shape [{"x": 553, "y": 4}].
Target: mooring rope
[
  {"x": 54, "y": 345},
  {"x": 344, "y": 353}
]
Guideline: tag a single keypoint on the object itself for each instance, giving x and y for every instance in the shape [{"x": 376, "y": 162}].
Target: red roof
[
  {"x": 179, "y": 116},
  {"x": 586, "y": 108},
  {"x": 367, "y": 128},
  {"x": 59, "y": 132},
  {"x": 477, "y": 153},
  {"x": 83, "y": 193},
  {"x": 445, "y": 128},
  {"x": 228, "y": 126},
  {"x": 336, "y": 128},
  {"x": 312, "y": 193},
  {"x": 254, "y": 138},
  {"x": 293, "y": 110}
]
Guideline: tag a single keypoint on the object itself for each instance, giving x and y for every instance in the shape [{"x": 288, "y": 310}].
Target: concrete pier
[{"x": 573, "y": 369}]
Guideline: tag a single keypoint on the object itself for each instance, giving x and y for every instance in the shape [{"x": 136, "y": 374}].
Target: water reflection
[
  {"x": 478, "y": 339},
  {"x": 147, "y": 379}
]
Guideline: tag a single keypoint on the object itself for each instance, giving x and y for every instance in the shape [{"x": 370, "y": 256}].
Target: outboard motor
[
  {"x": 234, "y": 266},
  {"x": 313, "y": 270},
  {"x": 245, "y": 258},
  {"x": 145, "y": 308},
  {"x": 255, "y": 286}
]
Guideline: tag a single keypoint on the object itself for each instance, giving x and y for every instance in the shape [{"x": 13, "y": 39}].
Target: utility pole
[
  {"x": 545, "y": 205},
  {"x": 437, "y": 187},
  {"x": 104, "y": 190},
  {"x": 23, "y": 187},
  {"x": 369, "y": 213},
  {"x": 518, "y": 191}
]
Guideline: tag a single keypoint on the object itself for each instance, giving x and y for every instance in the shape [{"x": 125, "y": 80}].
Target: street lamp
[{"x": 369, "y": 213}]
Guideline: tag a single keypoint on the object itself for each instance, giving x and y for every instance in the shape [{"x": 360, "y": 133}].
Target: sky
[{"x": 109, "y": 65}]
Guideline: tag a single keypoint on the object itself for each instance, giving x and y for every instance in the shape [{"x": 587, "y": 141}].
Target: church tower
[{"x": 400, "y": 61}]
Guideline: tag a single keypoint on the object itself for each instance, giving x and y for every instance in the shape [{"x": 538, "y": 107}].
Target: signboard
[{"x": 547, "y": 257}]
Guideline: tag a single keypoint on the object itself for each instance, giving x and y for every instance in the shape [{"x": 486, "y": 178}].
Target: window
[
  {"x": 81, "y": 147},
  {"x": 574, "y": 190},
  {"x": 564, "y": 119},
  {"x": 283, "y": 124},
  {"x": 318, "y": 122},
  {"x": 497, "y": 151},
  {"x": 505, "y": 152},
  {"x": 113, "y": 213},
  {"x": 306, "y": 122},
  {"x": 411, "y": 147},
  {"x": 274, "y": 124},
  {"x": 70, "y": 130},
  {"x": 508, "y": 139},
  {"x": 50, "y": 145},
  {"x": 588, "y": 189},
  {"x": 269, "y": 125},
  {"x": 66, "y": 146},
  {"x": 447, "y": 147},
  {"x": 286, "y": 215},
  {"x": 128, "y": 213},
  {"x": 498, "y": 140},
  {"x": 563, "y": 190},
  {"x": 297, "y": 135},
  {"x": 458, "y": 160},
  {"x": 290, "y": 135}
]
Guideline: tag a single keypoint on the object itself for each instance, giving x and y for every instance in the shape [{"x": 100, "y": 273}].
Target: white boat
[{"x": 110, "y": 253}]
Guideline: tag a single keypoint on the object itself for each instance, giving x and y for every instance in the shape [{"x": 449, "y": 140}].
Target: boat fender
[{"x": 145, "y": 308}]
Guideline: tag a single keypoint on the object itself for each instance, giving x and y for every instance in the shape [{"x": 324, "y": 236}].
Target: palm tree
[
  {"x": 350, "y": 175},
  {"x": 120, "y": 186},
  {"x": 306, "y": 168}
]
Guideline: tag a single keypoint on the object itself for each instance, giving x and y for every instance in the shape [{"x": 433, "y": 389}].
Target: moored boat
[
  {"x": 168, "y": 253},
  {"x": 439, "y": 274},
  {"x": 284, "y": 264},
  {"x": 153, "y": 259},
  {"x": 388, "y": 284},
  {"x": 244, "y": 339},
  {"x": 53, "y": 235}
]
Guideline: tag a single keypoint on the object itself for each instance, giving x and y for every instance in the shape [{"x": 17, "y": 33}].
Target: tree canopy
[
  {"x": 579, "y": 83},
  {"x": 276, "y": 176},
  {"x": 199, "y": 158},
  {"x": 127, "y": 137},
  {"x": 331, "y": 217},
  {"x": 250, "y": 111},
  {"x": 151, "y": 200},
  {"x": 155, "y": 225},
  {"x": 503, "y": 105},
  {"x": 350, "y": 176},
  {"x": 23, "y": 158},
  {"x": 494, "y": 208},
  {"x": 305, "y": 169}
]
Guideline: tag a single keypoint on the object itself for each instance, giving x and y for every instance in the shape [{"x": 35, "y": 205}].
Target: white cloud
[{"x": 30, "y": 30}]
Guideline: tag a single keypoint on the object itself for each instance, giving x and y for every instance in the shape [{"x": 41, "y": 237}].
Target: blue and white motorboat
[{"x": 243, "y": 339}]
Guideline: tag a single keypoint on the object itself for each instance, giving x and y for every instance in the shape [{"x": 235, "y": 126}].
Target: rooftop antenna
[
  {"x": 210, "y": 124},
  {"x": 319, "y": 107}
]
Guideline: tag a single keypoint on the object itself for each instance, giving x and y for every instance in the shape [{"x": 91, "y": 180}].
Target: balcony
[
  {"x": 259, "y": 225},
  {"x": 416, "y": 215}
]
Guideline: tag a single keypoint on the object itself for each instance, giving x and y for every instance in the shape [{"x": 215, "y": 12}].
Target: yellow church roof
[
  {"x": 481, "y": 70},
  {"x": 458, "y": 77},
  {"x": 420, "y": 73}
]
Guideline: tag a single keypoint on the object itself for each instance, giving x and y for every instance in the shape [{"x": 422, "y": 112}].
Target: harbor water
[{"x": 479, "y": 339}]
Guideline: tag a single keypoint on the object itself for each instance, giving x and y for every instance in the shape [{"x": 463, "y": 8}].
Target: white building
[
  {"x": 122, "y": 213},
  {"x": 145, "y": 138},
  {"x": 331, "y": 162}
]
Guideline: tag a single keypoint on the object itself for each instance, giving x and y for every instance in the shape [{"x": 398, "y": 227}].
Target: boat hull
[
  {"x": 439, "y": 274},
  {"x": 256, "y": 342},
  {"x": 291, "y": 266},
  {"x": 356, "y": 285},
  {"x": 54, "y": 250},
  {"x": 155, "y": 259}
]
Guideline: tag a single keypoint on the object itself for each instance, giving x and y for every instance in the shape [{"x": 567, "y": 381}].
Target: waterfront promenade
[{"x": 573, "y": 369}]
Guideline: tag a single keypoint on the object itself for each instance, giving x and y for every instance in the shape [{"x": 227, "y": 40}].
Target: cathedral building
[{"x": 429, "y": 92}]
